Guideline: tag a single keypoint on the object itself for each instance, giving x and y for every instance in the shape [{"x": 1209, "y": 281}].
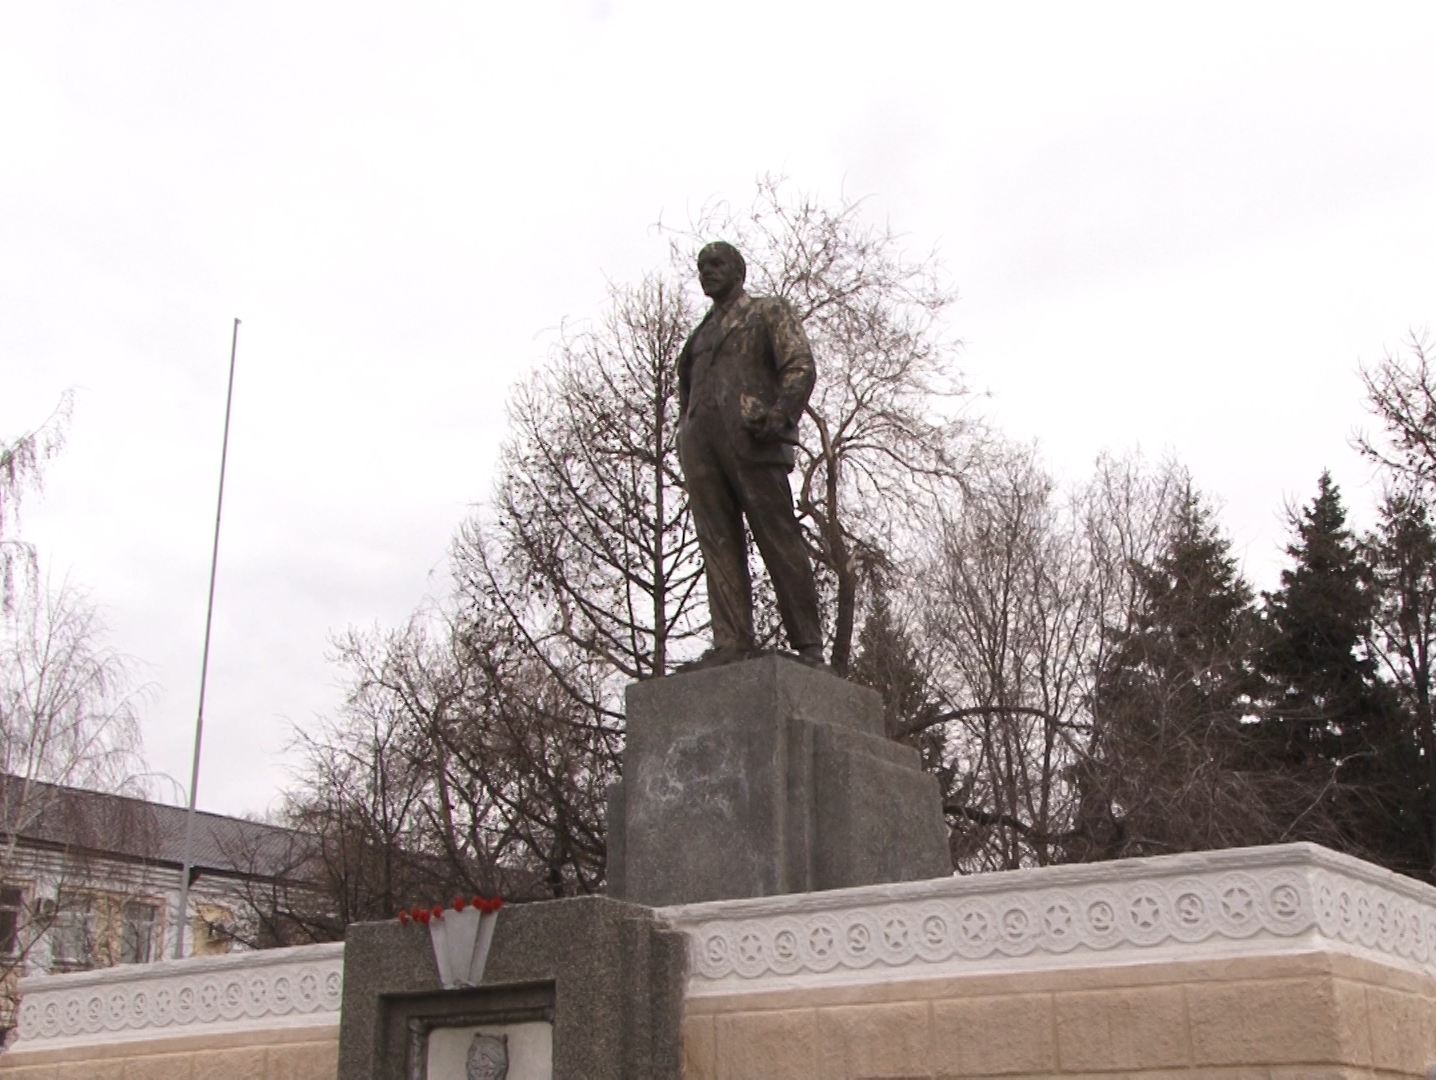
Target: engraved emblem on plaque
[{"x": 488, "y": 1057}]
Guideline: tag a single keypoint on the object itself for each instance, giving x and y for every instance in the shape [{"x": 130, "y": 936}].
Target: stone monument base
[
  {"x": 1279, "y": 963},
  {"x": 762, "y": 778},
  {"x": 579, "y": 989}
]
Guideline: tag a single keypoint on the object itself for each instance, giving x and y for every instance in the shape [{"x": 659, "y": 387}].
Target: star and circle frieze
[
  {"x": 146, "y": 1002},
  {"x": 1280, "y": 902}
]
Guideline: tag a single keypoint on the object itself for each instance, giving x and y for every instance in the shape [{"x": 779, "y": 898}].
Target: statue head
[
  {"x": 488, "y": 1057},
  {"x": 721, "y": 270}
]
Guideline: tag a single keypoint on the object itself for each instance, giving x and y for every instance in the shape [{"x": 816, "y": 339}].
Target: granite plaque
[
  {"x": 522, "y": 1051},
  {"x": 490, "y": 1033}
]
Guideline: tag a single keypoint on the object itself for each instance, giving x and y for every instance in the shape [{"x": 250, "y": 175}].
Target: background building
[{"x": 91, "y": 880}]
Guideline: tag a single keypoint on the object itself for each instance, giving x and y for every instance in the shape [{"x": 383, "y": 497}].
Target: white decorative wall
[
  {"x": 255, "y": 991},
  {"x": 1284, "y": 912},
  {"x": 1242, "y": 902}
]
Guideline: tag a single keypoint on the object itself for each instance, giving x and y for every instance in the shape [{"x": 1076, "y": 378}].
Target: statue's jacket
[{"x": 761, "y": 359}]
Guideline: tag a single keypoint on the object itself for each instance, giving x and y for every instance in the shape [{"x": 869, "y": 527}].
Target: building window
[
  {"x": 92, "y": 930},
  {"x": 12, "y": 903},
  {"x": 137, "y": 935},
  {"x": 73, "y": 937}
]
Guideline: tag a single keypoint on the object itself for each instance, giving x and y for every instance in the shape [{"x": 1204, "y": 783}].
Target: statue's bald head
[{"x": 721, "y": 269}]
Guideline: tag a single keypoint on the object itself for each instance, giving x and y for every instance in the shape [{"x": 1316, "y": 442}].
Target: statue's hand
[{"x": 772, "y": 426}]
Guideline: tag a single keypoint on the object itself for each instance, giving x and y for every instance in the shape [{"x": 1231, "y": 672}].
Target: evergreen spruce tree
[
  {"x": 888, "y": 661},
  {"x": 1322, "y": 692},
  {"x": 1188, "y": 654},
  {"x": 1326, "y": 711},
  {"x": 1173, "y": 707}
]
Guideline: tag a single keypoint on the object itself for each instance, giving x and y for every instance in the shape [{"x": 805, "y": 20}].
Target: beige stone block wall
[
  {"x": 1275, "y": 1018},
  {"x": 304, "y": 1054}
]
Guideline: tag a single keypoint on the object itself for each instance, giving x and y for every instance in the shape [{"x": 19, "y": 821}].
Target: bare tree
[
  {"x": 1009, "y": 617},
  {"x": 20, "y": 471},
  {"x": 1402, "y": 554},
  {"x": 1023, "y": 594},
  {"x": 477, "y": 742},
  {"x": 1401, "y": 392},
  {"x": 460, "y": 765},
  {"x": 504, "y": 710},
  {"x": 68, "y": 718},
  {"x": 587, "y": 544},
  {"x": 1127, "y": 513},
  {"x": 67, "y": 702},
  {"x": 357, "y": 853}
]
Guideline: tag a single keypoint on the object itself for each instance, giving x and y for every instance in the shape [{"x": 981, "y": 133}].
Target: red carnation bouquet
[
  {"x": 483, "y": 904},
  {"x": 461, "y": 935}
]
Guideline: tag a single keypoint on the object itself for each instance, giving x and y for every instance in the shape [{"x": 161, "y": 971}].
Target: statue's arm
[
  {"x": 793, "y": 361},
  {"x": 685, "y": 376}
]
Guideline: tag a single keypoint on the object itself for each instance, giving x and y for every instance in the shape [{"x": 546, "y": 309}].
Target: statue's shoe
[
  {"x": 812, "y": 655},
  {"x": 716, "y": 657}
]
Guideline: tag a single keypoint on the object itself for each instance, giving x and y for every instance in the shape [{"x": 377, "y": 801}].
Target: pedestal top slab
[{"x": 772, "y": 685}]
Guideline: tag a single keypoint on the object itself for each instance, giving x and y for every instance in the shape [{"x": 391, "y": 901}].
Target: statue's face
[{"x": 718, "y": 273}]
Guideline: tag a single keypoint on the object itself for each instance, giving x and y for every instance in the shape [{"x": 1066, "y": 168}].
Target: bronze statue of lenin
[{"x": 744, "y": 377}]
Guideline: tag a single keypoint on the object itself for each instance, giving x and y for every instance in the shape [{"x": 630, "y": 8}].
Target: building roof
[{"x": 136, "y": 830}]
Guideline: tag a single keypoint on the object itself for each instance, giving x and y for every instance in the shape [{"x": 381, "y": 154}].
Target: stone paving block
[
  {"x": 1353, "y": 1026},
  {"x": 1398, "y": 1023},
  {"x": 700, "y": 1048},
  {"x": 1261, "y": 1073},
  {"x": 1427, "y": 1014},
  {"x": 90, "y": 1070},
  {"x": 240, "y": 1063},
  {"x": 767, "y": 1045},
  {"x": 1286, "y": 1021},
  {"x": 1122, "y": 1029},
  {"x": 303, "y": 1061},
  {"x": 994, "y": 1036},
  {"x": 159, "y": 1067},
  {"x": 874, "y": 1042}
]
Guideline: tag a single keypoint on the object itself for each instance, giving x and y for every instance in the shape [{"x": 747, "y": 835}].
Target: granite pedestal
[
  {"x": 766, "y": 777},
  {"x": 601, "y": 980}
]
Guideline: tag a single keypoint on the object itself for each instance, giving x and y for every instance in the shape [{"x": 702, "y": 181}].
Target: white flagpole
[{"x": 204, "y": 665}]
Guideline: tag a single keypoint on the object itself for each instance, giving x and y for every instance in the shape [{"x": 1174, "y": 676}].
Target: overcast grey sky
[{"x": 1172, "y": 226}]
